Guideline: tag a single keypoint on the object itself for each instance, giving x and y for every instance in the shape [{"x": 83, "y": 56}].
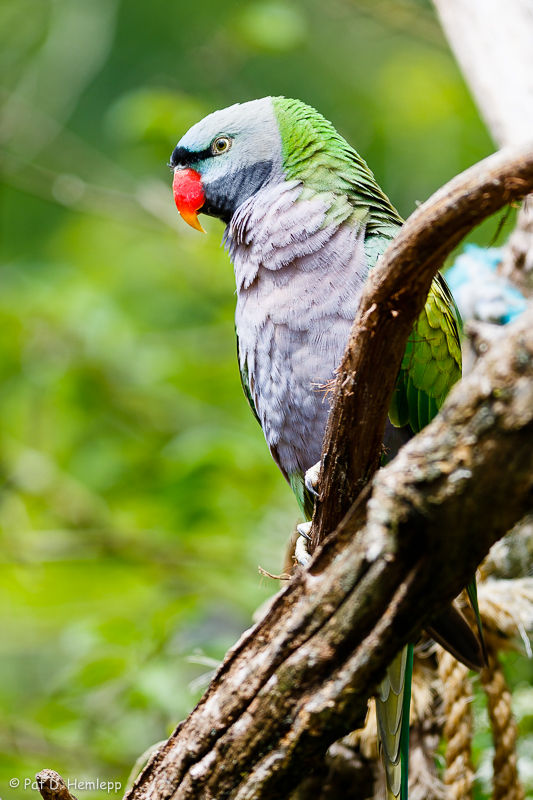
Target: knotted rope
[{"x": 506, "y": 784}]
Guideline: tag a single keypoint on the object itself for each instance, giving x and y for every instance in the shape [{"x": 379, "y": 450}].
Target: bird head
[{"x": 224, "y": 159}]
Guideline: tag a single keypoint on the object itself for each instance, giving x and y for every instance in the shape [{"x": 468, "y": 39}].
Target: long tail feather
[
  {"x": 392, "y": 707},
  {"x": 404, "y": 745},
  {"x": 471, "y": 589}
]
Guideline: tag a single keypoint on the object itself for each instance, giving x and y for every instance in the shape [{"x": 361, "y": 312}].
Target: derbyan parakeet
[{"x": 305, "y": 222}]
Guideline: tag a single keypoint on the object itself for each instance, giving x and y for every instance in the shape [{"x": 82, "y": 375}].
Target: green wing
[{"x": 431, "y": 363}]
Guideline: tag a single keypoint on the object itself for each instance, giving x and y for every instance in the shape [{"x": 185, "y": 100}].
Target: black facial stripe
[
  {"x": 181, "y": 155},
  {"x": 225, "y": 195}
]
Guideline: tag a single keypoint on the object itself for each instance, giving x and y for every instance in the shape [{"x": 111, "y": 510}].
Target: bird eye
[{"x": 221, "y": 145}]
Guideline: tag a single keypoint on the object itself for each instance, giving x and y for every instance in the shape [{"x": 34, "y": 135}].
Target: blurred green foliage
[{"x": 137, "y": 494}]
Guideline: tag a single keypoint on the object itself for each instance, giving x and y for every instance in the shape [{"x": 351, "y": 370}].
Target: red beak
[{"x": 189, "y": 195}]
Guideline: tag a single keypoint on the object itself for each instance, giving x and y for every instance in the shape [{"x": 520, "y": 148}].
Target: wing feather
[{"x": 431, "y": 363}]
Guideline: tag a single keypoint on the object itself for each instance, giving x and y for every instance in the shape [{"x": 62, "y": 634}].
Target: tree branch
[
  {"x": 300, "y": 678},
  {"x": 517, "y": 262},
  {"x": 394, "y": 296},
  {"x": 52, "y": 786}
]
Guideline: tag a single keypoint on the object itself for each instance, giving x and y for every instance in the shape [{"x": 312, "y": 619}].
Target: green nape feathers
[{"x": 314, "y": 153}]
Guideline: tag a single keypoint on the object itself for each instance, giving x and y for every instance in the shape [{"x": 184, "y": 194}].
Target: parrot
[{"x": 305, "y": 222}]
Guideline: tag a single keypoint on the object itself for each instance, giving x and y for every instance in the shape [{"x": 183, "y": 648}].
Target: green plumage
[
  {"x": 431, "y": 363},
  {"x": 314, "y": 153}
]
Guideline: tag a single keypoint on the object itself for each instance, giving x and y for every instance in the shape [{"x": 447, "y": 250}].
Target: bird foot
[
  {"x": 312, "y": 478},
  {"x": 303, "y": 557}
]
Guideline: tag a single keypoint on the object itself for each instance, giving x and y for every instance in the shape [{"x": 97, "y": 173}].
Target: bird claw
[
  {"x": 312, "y": 477},
  {"x": 301, "y": 552},
  {"x": 303, "y": 529}
]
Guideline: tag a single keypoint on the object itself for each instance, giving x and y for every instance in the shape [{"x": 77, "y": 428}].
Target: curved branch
[{"x": 394, "y": 296}]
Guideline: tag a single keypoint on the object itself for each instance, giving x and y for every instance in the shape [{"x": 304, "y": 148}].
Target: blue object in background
[{"x": 480, "y": 291}]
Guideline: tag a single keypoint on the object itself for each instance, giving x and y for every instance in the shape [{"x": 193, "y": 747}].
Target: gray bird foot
[
  {"x": 311, "y": 478},
  {"x": 301, "y": 552}
]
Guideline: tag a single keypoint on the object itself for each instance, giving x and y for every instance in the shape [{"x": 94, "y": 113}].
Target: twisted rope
[
  {"x": 457, "y": 696},
  {"x": 506, "y": 784}
]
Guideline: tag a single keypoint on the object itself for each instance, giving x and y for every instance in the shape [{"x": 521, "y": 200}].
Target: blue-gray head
[{"x": 225, "y": 158}]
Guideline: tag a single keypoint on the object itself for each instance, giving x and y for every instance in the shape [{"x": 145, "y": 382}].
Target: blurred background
[{"x": 137, "y": 494}]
